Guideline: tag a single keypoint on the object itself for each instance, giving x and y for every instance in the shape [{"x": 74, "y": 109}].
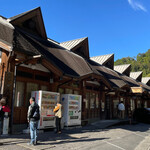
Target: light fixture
[{"x": 36, "y": 56}]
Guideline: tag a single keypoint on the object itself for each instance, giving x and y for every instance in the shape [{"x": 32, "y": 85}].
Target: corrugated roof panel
[
  {"x": 145, "y": 80},
  {"x": 71, "y": 44},
  {"x": 121, "y": 68},
  {"x": 135, "y": 75},
  {"x": 101, "y": 59}
]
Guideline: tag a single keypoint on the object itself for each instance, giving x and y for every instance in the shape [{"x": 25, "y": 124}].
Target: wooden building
[
  {"x": 31, "y": 61},
  {"x": 57, "y": 69}
]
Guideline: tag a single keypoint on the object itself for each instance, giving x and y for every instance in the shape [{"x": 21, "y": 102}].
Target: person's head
[
  {"x": 58, "y": 103},
  {"x": 3, "y": 101},
  {"x": 32, "y": 100}
]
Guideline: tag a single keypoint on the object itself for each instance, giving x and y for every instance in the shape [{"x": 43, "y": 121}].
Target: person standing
[
  {"x": 33, "y": 117},
  {"x": 2, "y": 103},
  {"x": 58, "y": 116},
  {"x": 121, "y": 109}
]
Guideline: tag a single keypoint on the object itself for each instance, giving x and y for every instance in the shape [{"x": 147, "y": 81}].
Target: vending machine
[
  {"x": 46, "y": 101},
  {"x": 71, "y": 109}
]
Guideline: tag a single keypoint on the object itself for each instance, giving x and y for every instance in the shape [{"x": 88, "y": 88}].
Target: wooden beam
[{"x": 51, "y": 67}]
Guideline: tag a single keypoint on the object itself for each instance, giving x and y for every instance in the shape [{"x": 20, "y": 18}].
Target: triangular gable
[
  {"x": 6, "y": 34},
  {"x": 123, "y": 69},
  {"x": 78, "y": 46},
  {"x": 31, "y": 21},
  {"x": 146, "y": 80},
  {"x": 106, "y": 60},
  {"x": 110, "y": 75},
  {"x": 136, "y": 75}
]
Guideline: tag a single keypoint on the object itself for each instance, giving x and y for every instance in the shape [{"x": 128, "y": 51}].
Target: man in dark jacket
[{"x": 33, "y": 118}]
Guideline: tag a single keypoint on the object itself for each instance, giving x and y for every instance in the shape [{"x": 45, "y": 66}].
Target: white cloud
[{"x": 136, "y": 5}]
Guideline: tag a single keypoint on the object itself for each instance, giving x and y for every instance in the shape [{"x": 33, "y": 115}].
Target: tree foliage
[{"x": 139, "y": 63}]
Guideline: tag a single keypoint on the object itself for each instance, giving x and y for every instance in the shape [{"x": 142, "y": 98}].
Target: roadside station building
[{"x": 32, "y": 61}]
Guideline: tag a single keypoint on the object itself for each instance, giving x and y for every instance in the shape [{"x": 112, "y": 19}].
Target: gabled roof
[
  {"x": 144, "y": 86},
  {"x": 6, "y": 34},
  {"x": 136, "y": 75},
  {"x": 32, "y": 21},
  {"x": 130, "y": 81},
  {"x": 146, "y": 80},
  {"x": 123, "y": 69},
  {"x": 66, "y": 61},
  {"x": 71, "y": 44},
  {"x": 106, "y": 60},
  {"x": 56, "y": 43},
  {"x": 78, "y": 46},
  {"x": 112, "y": 76},
  {"x": 22, "y": 14}
]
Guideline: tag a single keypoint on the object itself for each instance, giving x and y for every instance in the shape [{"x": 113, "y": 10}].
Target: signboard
[{"x": 137, "y": 89}]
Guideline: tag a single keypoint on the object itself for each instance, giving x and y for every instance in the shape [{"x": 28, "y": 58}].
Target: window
[
  {"x": 97, "y": 101},
  {"x": 19, "y": 95},
  {"x": 44, "y": 88},
  {"x": 69, "y": 91},
  {"x": 145, "y": 104},
  {"x": 30, "y": 87},
  {"x": 138, "y": 104},
  {"x": 76, "y": 92},
  {"x": 92, "y": 100},
  {"x": 132, "y": 104},
  {"x": 87, "y": 100},
  {"x": 61, "y": 90}
]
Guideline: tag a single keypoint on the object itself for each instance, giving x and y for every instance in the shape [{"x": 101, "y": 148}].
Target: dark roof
[
  {"x": 131, "y": 82},
  {"x": 68, "y": 62},
  {"x": 144, "y": 86},
  {"x": 22, "y": 14},
  {"x": 6, "y": 33},
  {"x": 31, "y": 21},
  {"x": 114, "y": 79}
]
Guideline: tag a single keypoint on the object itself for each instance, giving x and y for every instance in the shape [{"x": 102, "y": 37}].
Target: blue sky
[{"x": 121, "y": 27}]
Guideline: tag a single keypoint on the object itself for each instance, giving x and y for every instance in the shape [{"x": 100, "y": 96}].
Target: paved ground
[{"x": 123, "y": 137}]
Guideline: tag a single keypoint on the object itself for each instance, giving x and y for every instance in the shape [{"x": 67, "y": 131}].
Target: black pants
[{"x": 58, "y": 124}]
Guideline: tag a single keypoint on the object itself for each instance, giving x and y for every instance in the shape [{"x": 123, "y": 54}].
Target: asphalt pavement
[{"x": 91, "y": 137}]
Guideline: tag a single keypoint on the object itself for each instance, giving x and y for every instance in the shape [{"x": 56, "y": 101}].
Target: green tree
[{"x": 139, "y": 63}]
